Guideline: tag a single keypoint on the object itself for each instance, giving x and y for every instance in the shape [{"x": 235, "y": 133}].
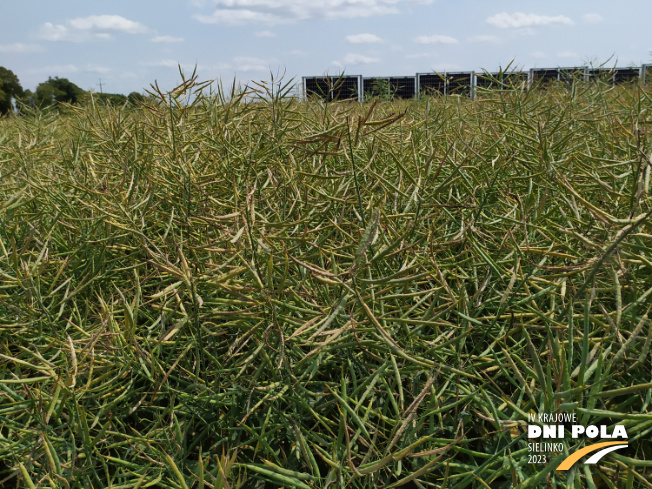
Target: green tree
[
  {"x": 9, "y": 88},
  {"x": 45, "y": 95},
  {"x": 381, "y": 89},
  {"x": 57, "y": 90},
  {"x": 28, "y": 99},
  {"x": 114, "y": 99},
  {"x": 136, "y": 98}
]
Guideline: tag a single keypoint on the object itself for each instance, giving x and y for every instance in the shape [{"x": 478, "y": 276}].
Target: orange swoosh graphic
[{"x": 571, "y": 459}]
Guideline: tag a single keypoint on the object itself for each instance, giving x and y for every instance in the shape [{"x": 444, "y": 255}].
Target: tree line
[{"x": 53, "y": 91}]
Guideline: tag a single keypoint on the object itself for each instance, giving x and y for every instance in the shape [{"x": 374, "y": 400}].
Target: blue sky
[{"x": 130, "y": 44}]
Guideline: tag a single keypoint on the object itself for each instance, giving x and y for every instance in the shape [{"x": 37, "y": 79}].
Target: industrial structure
[{"x": 463, "y": 83}]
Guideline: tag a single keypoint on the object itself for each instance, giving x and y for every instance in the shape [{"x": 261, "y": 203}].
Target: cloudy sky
[{"x": 130, "y": 44}]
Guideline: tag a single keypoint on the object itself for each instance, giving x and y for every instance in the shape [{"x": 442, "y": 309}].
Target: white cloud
[
  {"x": 419, "y": 55},
  {"x": 82, "y": 29},
  {"x": 238, "y": 17},
  {"x": 244, "y": 63},
  {"x": 235, "y": 12},
  {"x": 567, "y": 54},
  {"x": 107, "y": 23},
  {"x": 54, "y": 70},
  {"x": 52, "y": 32},
  {"x": 363, "y": 38},
  {"x": 219, "y": 67},
  {"x": 166, "y": 39},
  {"x": 525, "y": 31},
  {"x": 102, "y": 70},
  {"x": 486, "y": 39},
  {"x": 358, "y": 59},
  {"x": 436, "y": 39},
  {"x": 265, "y": 34},
  {"x": 164, "y": 63},
  {"x": 19, "y": 47},
  {"x": 519, "y": 19},
  {"x": 442, "y": 67},
  {"x": 171, "y": 63},
  {"x": 592, "y": 18}
]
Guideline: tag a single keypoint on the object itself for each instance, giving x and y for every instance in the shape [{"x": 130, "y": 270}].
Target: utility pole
[{"x": 100, "y": 85}]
